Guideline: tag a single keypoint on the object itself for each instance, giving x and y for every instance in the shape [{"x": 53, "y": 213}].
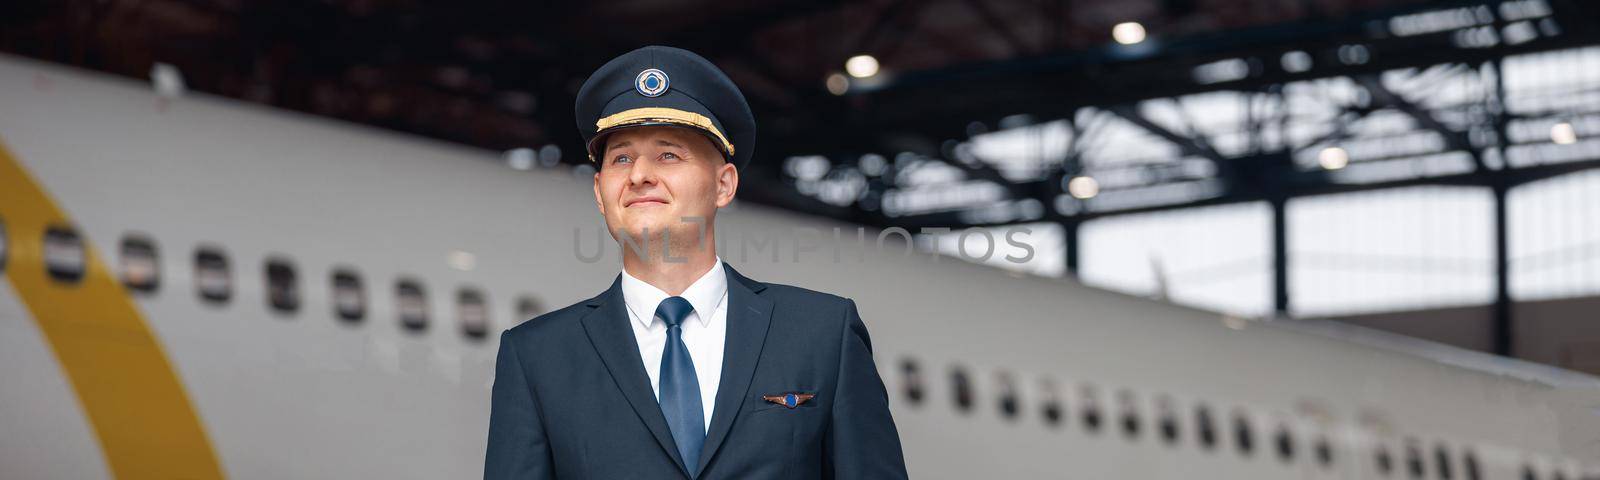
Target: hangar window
[
  {"x": 1441, "y": 462},
  {"x": 1285, "y": 443},
  {"x": 1129, "y": 407},
  {"x": 1243, "y": 437},
  {"x": 1204, "y": 429},
  {"x": 473, "y": 312},
  {"x": 212, "y": 279},
  {"x": 5, "y": 243},
  {"x": 283, "y": 287},
  {"x": 64, "y": 256},
  {"x": 528, "y": 307},
  {"x": 140, "y": 264},
  {"x": 963, "y": 389},
  {"x": 1469, "y": 466},
  {"x": 1009, "y": 404},
  {"x": 411, "y": 302},
  {"x": 1091, "y": 408},
  {"x": 1050, "y": 405},
  {"x": 912, "y": 377},
  {"x": 349, "y": 298},
  {"x": 1169, "y": 420},
  {"x": 1414, "y": 464}
]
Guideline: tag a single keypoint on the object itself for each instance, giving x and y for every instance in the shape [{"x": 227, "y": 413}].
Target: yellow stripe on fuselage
[{"x": 131, "y": 394}]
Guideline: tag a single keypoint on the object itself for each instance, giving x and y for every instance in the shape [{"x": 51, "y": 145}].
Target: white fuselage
[{"x": 306, "y": 395}]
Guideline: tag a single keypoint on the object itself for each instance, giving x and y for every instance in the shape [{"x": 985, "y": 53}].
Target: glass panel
[
  {"x": 141, "y": 266},
  {"x": 473, "y": 311},
  {"x": 962, "y": 388},
  {"x": 283, "y": 287},
  {"x": 1386, "y": 250},
  {"x": 5, "y": 245},
  {"x": 1555, "y": 237},
  {"x": 64, "y": 257},
  {"x": 913, "y": 380},
  {"x": 528, "y": 307},
  {"x": 1216, "y": 258},
  {"x": 349, "y": 298},
  {"x": 412, "y": 305},
  {"x": 213, "y": 280}
]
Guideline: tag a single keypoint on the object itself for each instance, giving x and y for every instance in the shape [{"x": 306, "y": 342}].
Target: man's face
[{"x": 652, "y": 178}]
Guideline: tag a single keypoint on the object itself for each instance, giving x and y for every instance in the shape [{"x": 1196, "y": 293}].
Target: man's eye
[
  {"x": 621, "y": 159},
  {"x": 669, "y": 156}
]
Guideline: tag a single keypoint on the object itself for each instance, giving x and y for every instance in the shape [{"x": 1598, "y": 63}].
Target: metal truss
[{"x": 1480, "y": 93}]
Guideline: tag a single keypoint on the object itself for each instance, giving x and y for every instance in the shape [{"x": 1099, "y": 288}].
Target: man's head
[
  {"x": 660, "y": 178},
  {"x": 658, "y": 85},
  {"x": 668, "y": 133}
]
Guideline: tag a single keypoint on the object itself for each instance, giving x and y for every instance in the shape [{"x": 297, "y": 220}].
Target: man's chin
[{"x": 657, "y": 232}]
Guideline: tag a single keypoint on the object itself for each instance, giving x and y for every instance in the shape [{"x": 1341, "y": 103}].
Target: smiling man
[{"x": 684, "y": 368}]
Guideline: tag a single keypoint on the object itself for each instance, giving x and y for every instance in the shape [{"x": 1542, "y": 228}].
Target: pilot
[{"x": 684, "y": 368}]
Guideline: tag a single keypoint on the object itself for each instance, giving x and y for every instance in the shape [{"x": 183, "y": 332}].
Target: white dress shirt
[{"x": 704, "y": 333}]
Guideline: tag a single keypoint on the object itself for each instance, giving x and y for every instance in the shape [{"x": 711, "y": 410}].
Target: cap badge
[{"x": 651, "y": 83}]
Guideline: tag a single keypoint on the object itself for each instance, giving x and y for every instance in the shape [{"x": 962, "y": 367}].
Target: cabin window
[
  {"x": 473, "y": 312},
  {"x": 1205, "y": 429},
  {"x": 1469, "y": 466},
  {"x": 1441, "y": 462},
  {"x": 1051, "y": 404},
  {"x": 963, "y": 389},
  {"x": 412, "y": 304},
  {"x": 349, "y": 298},
  {"x": 1324, "y": 452},
  {"x": 1169, "y": 420},
  {"x": 1128, "y": 404},
  {"x": 64, "y": 256},
  {"x": 1091, "y": 408},
  {"x": 1383, "y": 461},
  {"x": 1414, "y": 464},
  {"x": 913, "y": 380},
  {"x": 528, "y": 307},
  {"x": 140, "y": 264},
  {"x": 1285, "y": 444},
  {"x": 212, "y": 279},
  {"x": 1009, "y": 404},
  {"x": 1243, "y": 436},
  {"x": 5, "y": 243},
  {"x": 283, "y": 286}
]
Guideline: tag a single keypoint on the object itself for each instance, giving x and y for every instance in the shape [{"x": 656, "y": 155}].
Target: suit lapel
[
  {"x": 608, "y": 329},
  {"x": 749, "y": 315}
]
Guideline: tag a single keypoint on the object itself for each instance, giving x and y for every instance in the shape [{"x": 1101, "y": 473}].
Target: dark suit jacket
[{"x": 572, "y": 399}]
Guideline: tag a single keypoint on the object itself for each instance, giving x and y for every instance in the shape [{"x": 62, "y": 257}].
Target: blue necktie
[{"x": 680, "y": 389}]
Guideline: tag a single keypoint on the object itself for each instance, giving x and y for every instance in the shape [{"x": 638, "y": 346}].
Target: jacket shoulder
[
  {"x": 792, "y": 295},
  {"x": 552, "y": 320}
]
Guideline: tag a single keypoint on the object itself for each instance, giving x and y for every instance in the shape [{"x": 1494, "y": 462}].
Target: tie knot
[{"x": 673, "y": 310}]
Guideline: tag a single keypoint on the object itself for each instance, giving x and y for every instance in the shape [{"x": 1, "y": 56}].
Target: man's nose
[{"x": 642, "y": 172}]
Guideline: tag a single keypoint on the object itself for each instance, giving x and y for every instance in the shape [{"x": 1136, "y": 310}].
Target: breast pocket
[
  {"x": 804, "y": 401},
  {"x": 795, "y": 434}
]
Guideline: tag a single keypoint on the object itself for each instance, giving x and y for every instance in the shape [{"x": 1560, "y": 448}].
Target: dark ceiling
[{"x": 502, "y": 74}]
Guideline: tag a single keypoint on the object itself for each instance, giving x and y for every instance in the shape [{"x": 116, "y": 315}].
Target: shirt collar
[{"x": 705, "y": 294}]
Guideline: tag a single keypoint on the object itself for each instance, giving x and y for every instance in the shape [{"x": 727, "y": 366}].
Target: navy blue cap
[{"x": 658, "y": 85}]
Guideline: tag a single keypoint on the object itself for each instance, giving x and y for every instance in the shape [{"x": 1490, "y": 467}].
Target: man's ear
[
  {"x": 597, "y": 202},
  {"x": 727, "y": 183}
]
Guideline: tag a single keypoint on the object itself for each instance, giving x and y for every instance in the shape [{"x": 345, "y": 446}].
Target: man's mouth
[{"x": 644, "y": 202}]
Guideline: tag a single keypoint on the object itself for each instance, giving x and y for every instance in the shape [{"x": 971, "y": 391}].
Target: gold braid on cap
[{"x": 662, "y": 115}]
